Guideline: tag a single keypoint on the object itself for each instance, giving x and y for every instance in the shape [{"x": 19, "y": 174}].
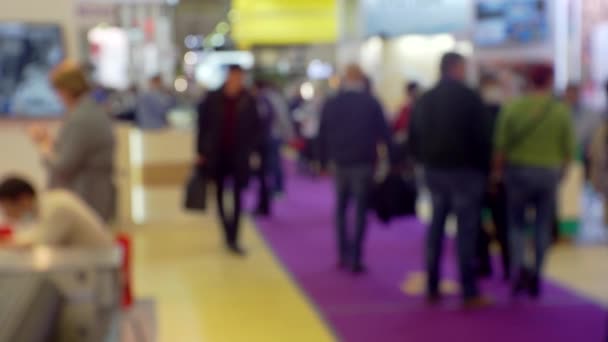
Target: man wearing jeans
[
  {"x": 450, "y": 137},
  {"x": 535, "y": 140},
  {"x": 352, "y": 125}
]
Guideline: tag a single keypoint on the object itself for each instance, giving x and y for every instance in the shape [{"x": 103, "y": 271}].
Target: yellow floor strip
[{"x": 204, "y": 294}]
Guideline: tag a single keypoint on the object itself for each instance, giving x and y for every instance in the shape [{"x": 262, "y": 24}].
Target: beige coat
[{"x": 66, "y": 221}]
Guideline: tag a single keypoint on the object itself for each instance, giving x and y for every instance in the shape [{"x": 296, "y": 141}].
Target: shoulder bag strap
[{"x": 521, "y": 136}]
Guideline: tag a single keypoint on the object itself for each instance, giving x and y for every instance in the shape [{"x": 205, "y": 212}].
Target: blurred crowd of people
[
  {"x": 478, "y": 153},
  {"x": 472, "y": 150}
]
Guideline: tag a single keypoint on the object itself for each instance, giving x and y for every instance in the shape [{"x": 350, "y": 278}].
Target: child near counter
[{"x": 61, "y": 219}]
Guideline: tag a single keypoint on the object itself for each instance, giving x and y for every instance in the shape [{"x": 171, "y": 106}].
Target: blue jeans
[
  {"x": 352, "y": 182},
  {"x": 458, "y": 191},
  {"x": 530, "y": 190}
]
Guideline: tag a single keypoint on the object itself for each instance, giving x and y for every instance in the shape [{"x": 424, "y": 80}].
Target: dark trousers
[
  {"x": 531, "y": 193},
  {"x": 352, "y": 182},
  {"x": 230, "y": 221},
  {"x": 460, "y": 192},
  {"x": 496, "y": 202},
  {"x": 263, "y": 176},
  {"x": 275, "y": 166},
  {"x": 270, "y": 174}
]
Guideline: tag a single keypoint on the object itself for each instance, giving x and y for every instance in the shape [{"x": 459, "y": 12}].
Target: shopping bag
[
  {"x": 196, "y": 192},
  {"x": 393, "y": 197}
]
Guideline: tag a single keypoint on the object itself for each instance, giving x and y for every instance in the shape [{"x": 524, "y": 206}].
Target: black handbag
[
  {"x": 394, "y": 197},
  {"x": 196, "y": 192}
]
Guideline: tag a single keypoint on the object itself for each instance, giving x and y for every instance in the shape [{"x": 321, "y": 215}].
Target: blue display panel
[
  {"x": 28, "y": 52},
  {"x": 400, "y": 17},
  {"x": 511, "y": 22}
]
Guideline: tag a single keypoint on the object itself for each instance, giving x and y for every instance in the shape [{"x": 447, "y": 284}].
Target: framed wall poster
[
  {"x": 28, "y": 52},
  {"x": 510, "y": 22}
]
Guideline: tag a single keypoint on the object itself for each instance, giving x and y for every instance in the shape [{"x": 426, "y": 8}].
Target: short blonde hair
[{"x": 70, "y": 77}]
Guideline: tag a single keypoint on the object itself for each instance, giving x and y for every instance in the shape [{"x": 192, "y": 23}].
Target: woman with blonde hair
[{"x": 81, "y": 157}]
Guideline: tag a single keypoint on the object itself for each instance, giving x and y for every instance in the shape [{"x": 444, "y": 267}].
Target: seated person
[{"x": 62, "y": 219}]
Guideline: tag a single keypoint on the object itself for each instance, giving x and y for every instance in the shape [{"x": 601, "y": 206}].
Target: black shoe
[
  {"x": 342, "y": 265},
  {"x": 534, "y": 287},
  {"x": 522, "y": 283},
  {"x": 478, "y": 302},
  {"x": 433, "y": 298},
  {"x": 236, "y": 250},
  {"x": 262, "y": 212},
  {"x": 359, "y": 269},
  {"x": 484, "y": 272}
]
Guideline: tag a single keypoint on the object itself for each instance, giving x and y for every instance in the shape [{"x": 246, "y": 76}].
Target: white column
[
  {"x": 576, "y": 40},
  {"x": 561, "y": 44},
  {"x": 350, "y": 36}
]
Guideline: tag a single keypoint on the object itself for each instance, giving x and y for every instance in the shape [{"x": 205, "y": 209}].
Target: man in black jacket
[
  {"x": 229, "y": 130},
  {"x": 450, "y": 138},
  {"x": 352, "y": 125}
]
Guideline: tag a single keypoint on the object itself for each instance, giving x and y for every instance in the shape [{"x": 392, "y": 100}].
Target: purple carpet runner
[{"x": 387, "y": 303}]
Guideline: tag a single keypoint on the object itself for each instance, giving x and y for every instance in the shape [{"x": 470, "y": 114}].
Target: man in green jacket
[{"x": 534, "y": 143}]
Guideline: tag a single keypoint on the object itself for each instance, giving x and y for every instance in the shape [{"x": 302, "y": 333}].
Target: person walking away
[
  {"x": 495, "y": 198},
  {"x": 585, "y": 122},
  {"x": 229, "y": 130},
  {"x": 81, "y": 158},
  {"x": 402, "y": 122},
  {"x": 308, "y": 117},
  {"x": 534, "y": 143},
  {"x": 277, "y": 129},
  {"x": 585, "y": 125},
  {"x": 282, "y": 131},
  {"x": 154, "y": 105},
  {"x": 450, "y": 138},
  {"x": 267, "y": 113},
  {"x": 352, "y": 126},
  {"x": 62, "y": 219},
  {"x": 599, "y": 160}
]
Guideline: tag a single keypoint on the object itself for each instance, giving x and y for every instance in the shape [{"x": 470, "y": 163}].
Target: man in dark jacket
[
  {"x": 449, "y": 136},
  {"x": 352, "y": 125},
  {"x": 229, "y": 130}
]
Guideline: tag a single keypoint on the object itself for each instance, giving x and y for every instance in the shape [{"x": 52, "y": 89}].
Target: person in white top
[{"x": 62, "y": 219}]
